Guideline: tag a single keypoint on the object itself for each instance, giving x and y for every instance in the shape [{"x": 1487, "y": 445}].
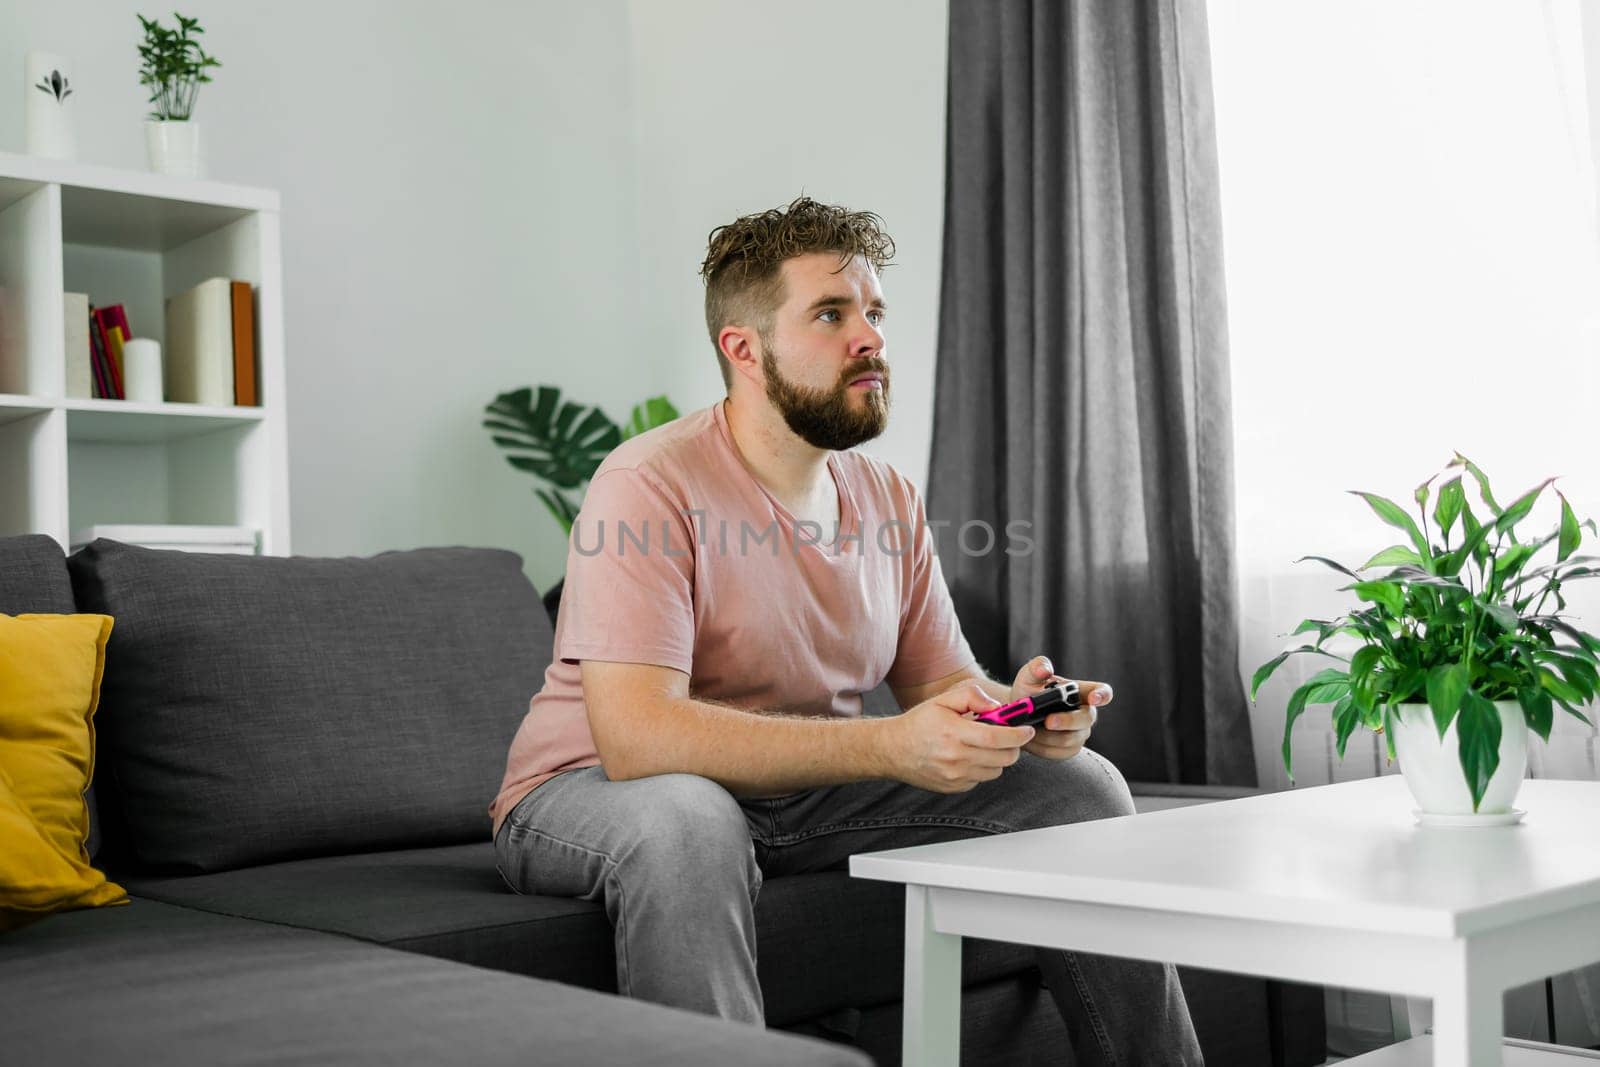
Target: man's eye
[
  {"x": 825, "y": 314},
  {"x": 875, "y": 317}
]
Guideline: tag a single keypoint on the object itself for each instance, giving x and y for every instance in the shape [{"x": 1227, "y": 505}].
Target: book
[
  {"x": 199, "y": 353},
  {"x": 98, "y": 359},
  {"x": 105, "y": 324},
  {"x": 246, "y": 390},
  {"x": 229, "y": 540},
  {"x": 80, "y": 354},
  {"x": 114, "y": 339},
  {"x": 116, "y": 316}
]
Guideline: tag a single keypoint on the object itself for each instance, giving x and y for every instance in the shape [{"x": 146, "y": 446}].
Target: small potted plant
[
  {"x": 174, "y": 67},
  {"x": 1461, "y": 648}
]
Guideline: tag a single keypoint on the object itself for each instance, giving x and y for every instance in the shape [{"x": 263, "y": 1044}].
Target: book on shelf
[
  {"x": 115, "y": 323},
  {"x": 199, "y": 356},
  {"x": 227, "y": 540},
  {"x": 99, "y": 360},
  {"x": 246, "y": 387},
  {"x": 80, "y": 354}
]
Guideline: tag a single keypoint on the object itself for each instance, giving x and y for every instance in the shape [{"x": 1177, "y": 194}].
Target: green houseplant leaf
[
  {"x": 560, "y": 442},
  {"x": 657, "y": 411},
  {"x": 563, "y": 443}
]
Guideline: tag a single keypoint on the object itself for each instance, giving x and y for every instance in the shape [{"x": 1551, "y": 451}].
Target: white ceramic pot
[
  {"x": 1432, "y": 768},
  {"x": 173, "y": 147}
]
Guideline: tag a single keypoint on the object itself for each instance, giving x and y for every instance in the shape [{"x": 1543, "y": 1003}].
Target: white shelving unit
[{"x": 136, "y": 239}]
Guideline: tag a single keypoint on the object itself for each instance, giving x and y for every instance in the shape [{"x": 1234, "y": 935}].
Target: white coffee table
[{"x": 1335, "y": 885}]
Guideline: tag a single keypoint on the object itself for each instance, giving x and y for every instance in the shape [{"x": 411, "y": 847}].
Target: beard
[{"x": 830, "y": 418}]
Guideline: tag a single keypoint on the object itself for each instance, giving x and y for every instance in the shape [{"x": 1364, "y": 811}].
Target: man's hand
[
  {"x": 932, "y": 746},
  {"x": 1065, "y": 732}
]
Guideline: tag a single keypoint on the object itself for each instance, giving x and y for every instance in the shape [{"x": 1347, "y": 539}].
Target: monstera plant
[{"x": 562, "y": 443}]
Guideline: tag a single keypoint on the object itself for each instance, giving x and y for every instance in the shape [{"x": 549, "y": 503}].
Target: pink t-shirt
[{"x": 681, "y": 558}]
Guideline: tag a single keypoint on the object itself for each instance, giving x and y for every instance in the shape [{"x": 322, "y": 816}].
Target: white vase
[
  {"x": 1432, "y": 768},
  {"x": 49, "y": 103},
  {"x": 174, "y": 147},
  {"x": 141, "y": 370}
]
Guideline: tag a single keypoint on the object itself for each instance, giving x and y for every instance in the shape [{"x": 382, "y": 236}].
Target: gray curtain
[{"x": 1083, "y": 370}]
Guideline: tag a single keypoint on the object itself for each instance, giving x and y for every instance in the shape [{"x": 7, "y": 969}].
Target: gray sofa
[{"x": 294, "y": 760}]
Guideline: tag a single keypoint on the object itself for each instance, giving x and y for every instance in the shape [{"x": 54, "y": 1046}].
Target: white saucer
[{"x": 1470, "y": 822}]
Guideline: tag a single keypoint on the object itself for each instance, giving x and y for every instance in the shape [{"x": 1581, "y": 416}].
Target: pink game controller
[{"x": 1030, "y": 711}]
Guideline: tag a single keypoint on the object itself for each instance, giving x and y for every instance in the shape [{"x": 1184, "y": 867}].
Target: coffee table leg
[
  {"x": 932, "y": 1033},
  {"x": 1468, "y": 1019}
]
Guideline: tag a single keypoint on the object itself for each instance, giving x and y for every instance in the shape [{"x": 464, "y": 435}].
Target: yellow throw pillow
[{"x": 50, "y": 670}]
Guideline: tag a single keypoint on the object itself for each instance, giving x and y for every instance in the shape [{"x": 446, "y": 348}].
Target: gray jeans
[{"x": 678, "y": 862}]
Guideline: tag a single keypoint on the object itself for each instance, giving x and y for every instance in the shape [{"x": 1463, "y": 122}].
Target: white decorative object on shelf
[
  {"x": 50, "y": 103},
  {"x": 174, "y": 147},
  {"x": 229, "y": 540},
  {"x": 141, "y": 370}
]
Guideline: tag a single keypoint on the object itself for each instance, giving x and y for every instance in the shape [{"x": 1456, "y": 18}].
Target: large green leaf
[
  {"x": 1571, "y": 534},
  {"x": 1297, "y": 705},
  {"x": 1264, "y": 671},
  {"x": 1324, "y": 560},
  {"x": 1539, "y": 709},
  {"x": 1326, "y": 686},
  {"x": 561, "y": 443},
  {"x": 1389, "y": 594},
  {"x": 1395, "y": 516},
  {"x": 1448, "y": 507},
  {"x": 657, "y": 411},
  {"x": 1503, "y": 616},
  {"x": 1446, "y": 685},
  {"x": 1345, "y": 719},
  {"x": 1512, "y": 560},
  {"x": 1482, "y": 480},
  {"x": 1520, "y": 507},
  {"x": 1471, "y": 545},
  {"x": 1478, "y": 734},
  {"x": 1393, "y": 556},
  {"x": 1363, "y": 680}
]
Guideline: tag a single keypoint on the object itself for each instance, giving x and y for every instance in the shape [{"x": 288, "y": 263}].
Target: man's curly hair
[{"x": 743, "y": 268}]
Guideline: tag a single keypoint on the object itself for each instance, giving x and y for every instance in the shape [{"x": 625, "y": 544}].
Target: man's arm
[
  {"x": 645, "y": 723},
  {"x": 911, "y": 695}
]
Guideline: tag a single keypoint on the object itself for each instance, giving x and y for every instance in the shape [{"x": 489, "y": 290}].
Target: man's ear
[{"x": 741, "y": 346}]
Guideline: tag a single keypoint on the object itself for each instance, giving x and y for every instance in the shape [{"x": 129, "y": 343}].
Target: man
[{"x": 736, "y": 580}]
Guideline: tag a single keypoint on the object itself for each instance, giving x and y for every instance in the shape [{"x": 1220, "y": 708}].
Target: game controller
[{"x": 1031, "y": 711}]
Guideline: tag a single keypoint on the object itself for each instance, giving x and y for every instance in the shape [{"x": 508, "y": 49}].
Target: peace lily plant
[{"x": 1462, "y": 624}]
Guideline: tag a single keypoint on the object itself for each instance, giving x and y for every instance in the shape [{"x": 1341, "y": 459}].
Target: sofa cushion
[
  {"x": 826, "y": 941},
  {"x": 261, "y": 708},
  {"x": 33, "y": 577},
  {"x": 151, "y": 983},
  {"x": 50, "y": 672}
]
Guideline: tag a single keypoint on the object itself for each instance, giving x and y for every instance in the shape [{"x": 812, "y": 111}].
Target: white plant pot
[
  {"x": 173, "y": 147},
  {"x": 1432, "y": 768}
]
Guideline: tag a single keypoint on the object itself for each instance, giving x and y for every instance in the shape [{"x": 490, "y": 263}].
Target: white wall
[
  {"x": 740, "y": 107},
  {"x": 458, "y": 196},
  {"x": 1408, "y": 209}
]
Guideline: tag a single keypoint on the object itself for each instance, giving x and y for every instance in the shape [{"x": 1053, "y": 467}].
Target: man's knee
[
  {"x": 688, "y": 823},
  {"x": 1082, "y": 789}
]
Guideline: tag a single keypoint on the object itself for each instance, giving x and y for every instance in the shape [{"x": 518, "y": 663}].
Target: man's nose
[{"x": 868, "y": 340}]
